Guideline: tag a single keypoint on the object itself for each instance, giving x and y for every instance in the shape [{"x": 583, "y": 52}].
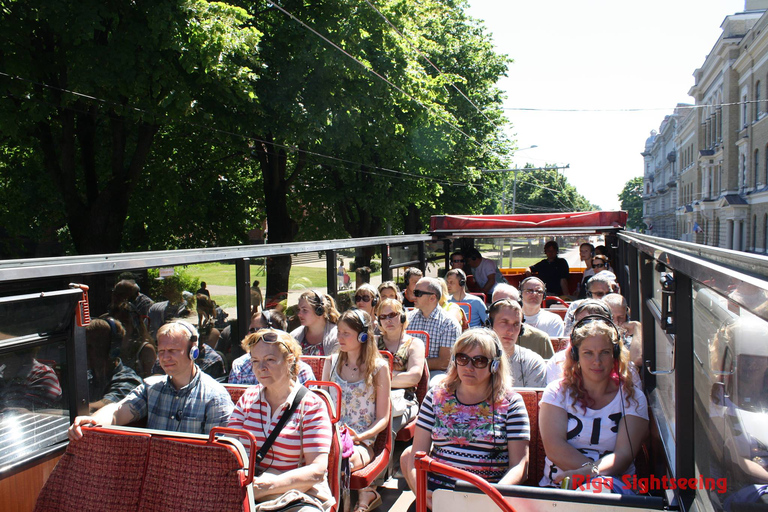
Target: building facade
[{"x": 706, "y": 170}]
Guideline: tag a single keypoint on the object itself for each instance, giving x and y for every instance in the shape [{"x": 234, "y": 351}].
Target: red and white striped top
[{"x": 309, "y": 427}]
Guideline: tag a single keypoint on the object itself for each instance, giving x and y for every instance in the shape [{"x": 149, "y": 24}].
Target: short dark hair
[
  {"x": 473, "y": 253},
  {"x": 551, "y": 243}
]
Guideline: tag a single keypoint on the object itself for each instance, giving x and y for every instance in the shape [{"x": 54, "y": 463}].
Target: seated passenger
[
  {"x": 526, "y": 366},
  {"x": 533, "y": 291},
  {"x": 456, "y": 281},
  {"x": 367, "y": 298},
  {"x": 109, "y": 381},
  {"x": 126, "y": 290},
  {"x": 208, "y": 360},
  {"x": 586, "y": 252},
  {"x": 408, "y": 352},
  {"x": 472, "y": 420},
  {"x": 594, "y": 420},
  {"x": 26, "y": 383},
  {"x": 318, "y": 316},
  {"x": 605, "y": 251},
  {"x": 458, "y": 261},
  {"x": 431, "y": 318},
  {"x": 389, "y": 290},
  {"x": 137, "y": 349},
  {"x": 583, "y": 308},
  {"x": 186, "y": 400},
  {"x": 631, "y": 331},
  {"x": 553, "y": 271},
  {"x": 242, "y": 367},
  {"x": 487, "y": 274},
  {"x": 452, "y": 309},
  {"x": 365, "y": 390},
  {"x": 530, "y": 337},
  {"x": 411, "y": 277},
  {"x": 598, "y": 287},
  {"x": 300, "y": 459}
]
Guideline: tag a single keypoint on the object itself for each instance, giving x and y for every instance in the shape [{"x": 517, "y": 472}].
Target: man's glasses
[
  {"x": 457, "y": 261},
  {"x": 389, "y": 316},
  {"x": 530, "y": 291},
  {"x": 598, "y": 265},
  {"x": 477, "y": 361},
  {"x": 362, "y": 298},
  {"x": 421, "y": 293}
]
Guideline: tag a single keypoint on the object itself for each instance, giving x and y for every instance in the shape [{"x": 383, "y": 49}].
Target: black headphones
[
  {"x": 266, "y": 315},
  {"x": 494, "y": 305},
  {"x": 594, "y": 318},
  {"x": 462, "y": 276},
  {"x": 363, "y": 336},
  {"x": 496, "y": 360},
  {"x": 320, "y": 308},
  {"x": 115, "y": 338},
  {"x": 194, "y": 350}
]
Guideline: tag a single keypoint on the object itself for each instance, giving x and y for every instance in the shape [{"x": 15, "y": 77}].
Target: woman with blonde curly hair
[
  {"x": 594, "y": 419},
  {"x": 472, "y": 419},
  {"x": 300, "y": 459}
]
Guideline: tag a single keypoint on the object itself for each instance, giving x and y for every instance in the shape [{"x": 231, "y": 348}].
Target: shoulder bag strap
[{"x": 300, "y": 394}]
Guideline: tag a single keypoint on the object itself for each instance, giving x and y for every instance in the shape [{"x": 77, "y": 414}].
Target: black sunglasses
[
  {"x": 477, "y": 361},
  {"x": 598, "y": 265},
  {"x": 362, "y": 298},
  {"x": 388, "y": 317},
  {"x": 421, "y": 293},
  {"x": 457, "y": 261}
]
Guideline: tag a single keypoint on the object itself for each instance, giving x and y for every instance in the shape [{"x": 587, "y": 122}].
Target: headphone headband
[
  {"x": 363, "y": 336},
  {"x": 596, "y": 318},
  {"x": 194, "y": 350}
]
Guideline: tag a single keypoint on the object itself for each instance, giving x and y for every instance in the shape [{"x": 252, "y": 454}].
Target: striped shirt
[
  {"x": 242, "y": 371},
  {"x": 309, "y": 427},
  {"x": 473, "y": 437},
  {"x": 443, "y": 330}
]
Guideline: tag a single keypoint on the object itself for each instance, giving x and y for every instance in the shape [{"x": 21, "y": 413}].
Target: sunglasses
[
  {"x": 477, "y": 361},
  {"x": 390, "y": 316},
  {"x": 421, "y": 293},
  {"x": 363, "y": 298},
  {"x": 457, "y": 261},
  {"x": 598, "y": 265},
  {"x": 270, "y": 336}
]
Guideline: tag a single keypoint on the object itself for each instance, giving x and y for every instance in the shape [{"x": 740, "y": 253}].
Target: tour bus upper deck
[{"x": 700, "y": 332}]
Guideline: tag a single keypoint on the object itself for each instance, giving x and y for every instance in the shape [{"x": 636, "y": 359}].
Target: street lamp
[{"x": 504, "y": 186}]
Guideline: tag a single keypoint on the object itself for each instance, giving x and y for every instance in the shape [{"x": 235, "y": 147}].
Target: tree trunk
[{"x": 412, "y": 222}]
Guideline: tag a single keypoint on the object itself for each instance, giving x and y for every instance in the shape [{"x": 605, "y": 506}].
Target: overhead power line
[{"x": 649, "y": 109}]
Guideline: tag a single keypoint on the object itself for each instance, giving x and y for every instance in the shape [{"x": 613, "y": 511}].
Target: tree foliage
[{"x": 631, "y": 198}]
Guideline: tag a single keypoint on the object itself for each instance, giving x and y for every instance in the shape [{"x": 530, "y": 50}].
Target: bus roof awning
[{"x": 528, "y": 224}]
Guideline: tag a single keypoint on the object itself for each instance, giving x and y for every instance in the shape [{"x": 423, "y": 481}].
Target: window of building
[
  {"x": 754, "y": 233},
  {"x": 757, "y": 166},
  {"x": 744, "y": 111},
  {"x": 757, "y": 100}
]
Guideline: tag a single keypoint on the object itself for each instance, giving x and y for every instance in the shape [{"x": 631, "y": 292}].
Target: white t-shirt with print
[
  {"x": 592, "y": 432},
  {"x": 548, "y": 322}
]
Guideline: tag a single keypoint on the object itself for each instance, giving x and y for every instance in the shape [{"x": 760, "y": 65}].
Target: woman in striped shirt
[
  {"x": 473, "y": 420},
  {"x": 298, "y": 459}
]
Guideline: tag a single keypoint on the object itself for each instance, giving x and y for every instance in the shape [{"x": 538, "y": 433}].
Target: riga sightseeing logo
[{"x": 643, "y": 485}]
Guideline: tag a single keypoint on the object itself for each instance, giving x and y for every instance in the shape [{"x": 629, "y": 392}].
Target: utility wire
[
  {"x": 676, "y": 107},
  {"x": 375, "y": 73},
  {"x": 103, "y": 101},
  {"x": 407, "y": 40}
]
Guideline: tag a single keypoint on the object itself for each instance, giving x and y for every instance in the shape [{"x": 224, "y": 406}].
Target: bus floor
[{"x": 395, "y": 494}]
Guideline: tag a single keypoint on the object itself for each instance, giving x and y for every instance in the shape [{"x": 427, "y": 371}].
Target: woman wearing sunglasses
[
  {"x": 408, "y": 355},
  {"x": 367, "y": 298},
  {"x": 473, "y": 419},
  {"x": 363, "y": 376},
  {"x": 300, "y": 458},
  {"x": 593, "y": 420}
]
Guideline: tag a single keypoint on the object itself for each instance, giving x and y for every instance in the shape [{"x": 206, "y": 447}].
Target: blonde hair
[
  {"x": 286, "y": 343},
  {"x": 315, "y": 299},
  {"x": 369, "y": 351},
  {"x": 396, "y": 306},
  {"x": 572, "y": 378},
  {"x": 389, "y": 285},
  {"x": 490, "y": 345}
]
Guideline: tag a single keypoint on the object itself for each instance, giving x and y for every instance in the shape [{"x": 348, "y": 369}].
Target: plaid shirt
[
  {"x": 196, "y": 408},
  {"x": 242, "y": 371},
  {"x": 443, "y": 330}
]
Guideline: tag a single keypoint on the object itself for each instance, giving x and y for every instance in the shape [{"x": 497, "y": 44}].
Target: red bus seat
[
  {"x": 559, "y": 343},
  {"x": 406, "y": 433},
  {"x": 334, "y": 457},
  {"x": 316, "y": 363}
]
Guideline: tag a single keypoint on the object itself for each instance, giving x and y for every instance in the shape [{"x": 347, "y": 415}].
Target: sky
[{"x": 597, "y": 55}]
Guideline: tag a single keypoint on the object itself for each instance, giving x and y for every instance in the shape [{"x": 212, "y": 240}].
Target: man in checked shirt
[{"x": 184, "y": 400}]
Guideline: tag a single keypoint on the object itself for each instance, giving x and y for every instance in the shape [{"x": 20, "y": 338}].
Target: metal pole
[{"x": 514, "y": 194}]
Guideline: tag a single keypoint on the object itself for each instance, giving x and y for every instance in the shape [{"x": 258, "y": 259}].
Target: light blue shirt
[{"x": 479, "y": 313}]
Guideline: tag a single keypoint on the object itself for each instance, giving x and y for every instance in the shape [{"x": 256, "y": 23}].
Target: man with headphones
[
  {"x": 456, "y": 279},
  {"x": 530, "y": 337},
  {"x": 533, "y": 291},
  {"x": 184, "y": 400},
  {"x": 528, "y": 368}
]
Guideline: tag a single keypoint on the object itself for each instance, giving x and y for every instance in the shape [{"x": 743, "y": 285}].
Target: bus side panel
[{"x": 18, "y": 492}]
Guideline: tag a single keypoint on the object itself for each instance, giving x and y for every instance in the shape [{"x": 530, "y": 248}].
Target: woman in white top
[{"x": 594, "y": 420}]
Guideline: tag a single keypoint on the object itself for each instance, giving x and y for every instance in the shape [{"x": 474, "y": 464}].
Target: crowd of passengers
[{"x": 593, "y": 414}]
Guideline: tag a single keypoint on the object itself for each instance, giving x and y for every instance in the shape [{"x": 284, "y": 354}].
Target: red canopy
[{"x": 561, "y": 222}]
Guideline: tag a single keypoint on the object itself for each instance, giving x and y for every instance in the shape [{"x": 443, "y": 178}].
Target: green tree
[
  {"x": 544, "y": 191},
  {"x": 631, "y": 198},
  {"x": 92, "y": 84}
]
